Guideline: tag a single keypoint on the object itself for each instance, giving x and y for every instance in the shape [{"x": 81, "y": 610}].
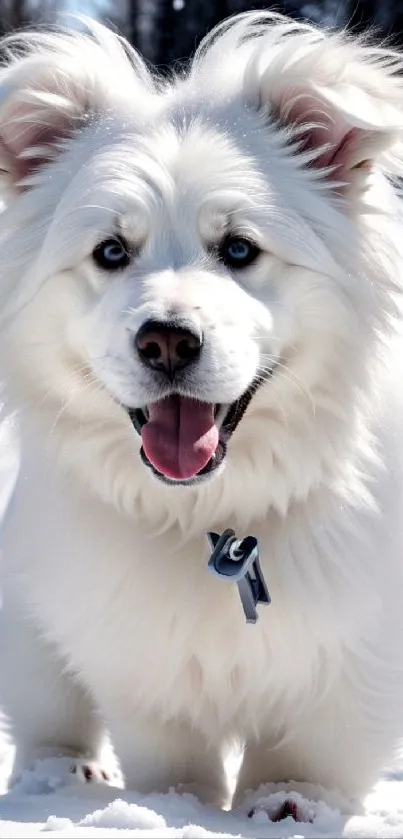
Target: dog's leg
[
  {"x": 155, "y": 756},
  {"x": 340, "y": 746},
  {"x": 49, "y": 715},
  {"x": 284, "y": 783}
]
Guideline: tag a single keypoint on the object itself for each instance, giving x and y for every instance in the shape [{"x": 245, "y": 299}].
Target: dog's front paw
[
  {"x": 296, "y": 808},
  {"x": 305, "y": 803},
  {"x": 47, "y": 774},
  {"x": 91, "y": 772}
]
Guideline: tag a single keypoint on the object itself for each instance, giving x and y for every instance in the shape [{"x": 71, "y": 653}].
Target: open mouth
[{"x": 185, "y": 440}]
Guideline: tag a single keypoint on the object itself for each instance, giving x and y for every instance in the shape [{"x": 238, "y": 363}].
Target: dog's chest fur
[{"x": 152, "y": 630}]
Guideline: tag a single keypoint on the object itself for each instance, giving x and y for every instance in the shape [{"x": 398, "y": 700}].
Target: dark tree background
[
  {"x": 15, "y": 14},
  {"x": 168, "y": 31}
]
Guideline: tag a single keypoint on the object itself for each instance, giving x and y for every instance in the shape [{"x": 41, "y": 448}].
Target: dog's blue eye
[
  {"x": 112, "y": 254},
  {"x": 238, "y": 252}
]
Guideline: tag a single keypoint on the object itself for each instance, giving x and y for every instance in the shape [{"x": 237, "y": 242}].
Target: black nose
[{"x": 168, "y": 347}]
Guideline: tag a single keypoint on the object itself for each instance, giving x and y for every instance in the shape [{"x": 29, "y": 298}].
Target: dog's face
[
  {"x": 195, "y": 266},
  {"x": 191, "y": 305}
]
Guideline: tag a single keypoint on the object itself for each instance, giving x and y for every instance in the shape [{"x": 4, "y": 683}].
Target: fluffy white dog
[{"x": 200, "y": 283}]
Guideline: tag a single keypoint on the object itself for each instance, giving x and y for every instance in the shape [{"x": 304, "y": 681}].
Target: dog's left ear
[
  {"x": 339, "y": 100},
  {"x": 51, "y": 85}
]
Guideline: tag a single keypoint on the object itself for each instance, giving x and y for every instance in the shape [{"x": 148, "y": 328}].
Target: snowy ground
[{"x": 41, "y": 803}]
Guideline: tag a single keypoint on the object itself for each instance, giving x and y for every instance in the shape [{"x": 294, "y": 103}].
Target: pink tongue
[{"x": 180, "y": 437}]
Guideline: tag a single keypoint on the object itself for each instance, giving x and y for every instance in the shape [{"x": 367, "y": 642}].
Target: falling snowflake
[{"x": 178, "y": 5}]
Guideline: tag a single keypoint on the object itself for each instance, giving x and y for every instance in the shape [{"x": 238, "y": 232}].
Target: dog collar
[{"x": 238, "y": 561}]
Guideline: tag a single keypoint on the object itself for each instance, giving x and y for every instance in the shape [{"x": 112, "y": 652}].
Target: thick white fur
[{"x": 110, "y": 614}]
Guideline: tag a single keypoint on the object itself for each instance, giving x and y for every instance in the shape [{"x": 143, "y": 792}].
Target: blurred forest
[{"x": 167, "y": 31}]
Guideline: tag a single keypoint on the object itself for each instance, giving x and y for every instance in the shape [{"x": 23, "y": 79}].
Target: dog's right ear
[{"x": 51, "y": 85}]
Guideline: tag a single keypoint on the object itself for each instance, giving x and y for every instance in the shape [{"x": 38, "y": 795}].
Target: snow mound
[{"x": 124, "y": 815}]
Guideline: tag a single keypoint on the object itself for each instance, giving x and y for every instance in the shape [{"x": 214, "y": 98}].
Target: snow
[{"x": 42, "y": 803}]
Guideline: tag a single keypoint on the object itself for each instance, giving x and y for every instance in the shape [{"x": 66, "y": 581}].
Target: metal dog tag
[{"x": 238, "y": 561}]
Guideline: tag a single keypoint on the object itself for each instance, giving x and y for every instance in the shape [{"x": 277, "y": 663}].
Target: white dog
[{"x": 200, "y": 283}]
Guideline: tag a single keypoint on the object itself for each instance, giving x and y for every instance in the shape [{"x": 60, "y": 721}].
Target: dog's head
[{"x": 195, "y": 271}]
